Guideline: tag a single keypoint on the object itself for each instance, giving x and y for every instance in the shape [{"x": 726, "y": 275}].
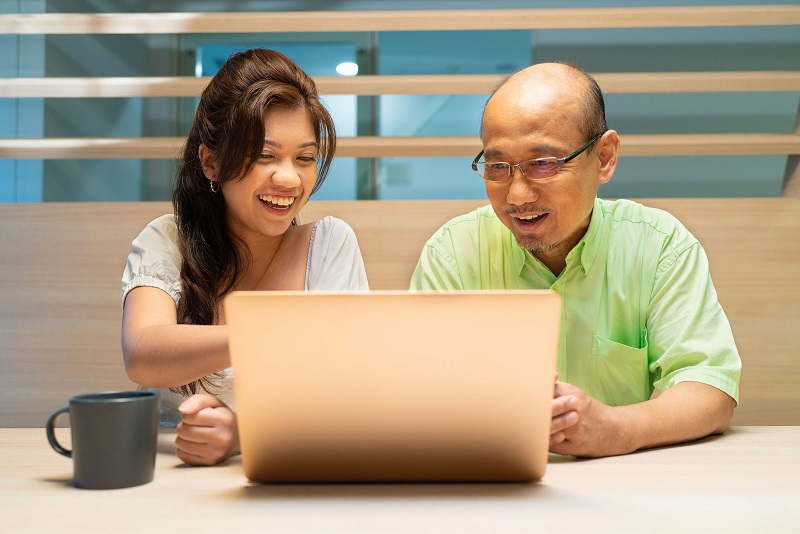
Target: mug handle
[{"x": 51, "y": 435}]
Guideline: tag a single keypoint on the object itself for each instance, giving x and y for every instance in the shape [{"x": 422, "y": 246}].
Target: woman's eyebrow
[{"x": 302, "y": 145}]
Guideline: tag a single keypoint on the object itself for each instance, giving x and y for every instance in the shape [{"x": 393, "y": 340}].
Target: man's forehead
[
  {"x": 536, "y": 145},
  {"x": 544, "y": 125},
  {"x": 550, "y": 98},
  {"x": 524, "y": 117}
]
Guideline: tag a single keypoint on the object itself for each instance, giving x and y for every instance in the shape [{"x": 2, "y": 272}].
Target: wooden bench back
[{"x": 60, "y": 272}]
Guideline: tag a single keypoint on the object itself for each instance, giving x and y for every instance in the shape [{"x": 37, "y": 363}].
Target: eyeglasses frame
[{"x": 559, "y": 161}]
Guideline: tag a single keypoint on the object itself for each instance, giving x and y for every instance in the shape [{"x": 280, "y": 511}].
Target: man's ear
[
  {"x": 208, "y": 162},
  {"x": 607, "y": 152}
]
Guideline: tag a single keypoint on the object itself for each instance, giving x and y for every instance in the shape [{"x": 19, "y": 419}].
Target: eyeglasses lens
[
  {"x": 533, "y": 169},
  {"x": 494, "y": 172},
  {"x": 539, "y": 168}
]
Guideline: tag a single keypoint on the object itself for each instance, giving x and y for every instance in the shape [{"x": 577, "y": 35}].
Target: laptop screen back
[{"x": 393, "y": 385}]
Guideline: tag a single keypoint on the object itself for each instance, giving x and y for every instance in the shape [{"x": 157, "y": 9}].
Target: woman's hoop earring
[{"x": 214, "y": 186}]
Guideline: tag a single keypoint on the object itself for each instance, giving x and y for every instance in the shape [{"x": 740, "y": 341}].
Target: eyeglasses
[{"x": 532, "y": 169}]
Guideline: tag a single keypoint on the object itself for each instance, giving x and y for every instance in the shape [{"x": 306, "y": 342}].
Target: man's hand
[
  {"x": 582, "y": 425},
  {"x": 208, "y": 433}
]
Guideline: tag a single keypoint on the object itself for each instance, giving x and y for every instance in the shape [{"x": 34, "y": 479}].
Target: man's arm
[
  {"x": 693, "y": 357},
  {"x": 583, "y": 426}
]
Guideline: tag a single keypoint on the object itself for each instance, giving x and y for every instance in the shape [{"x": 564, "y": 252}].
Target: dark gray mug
[{"x": 114, "y": 437}]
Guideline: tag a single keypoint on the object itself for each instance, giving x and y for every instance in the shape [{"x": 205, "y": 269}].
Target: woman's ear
[
  {"x": 208, "y": 162},
  {"x": 608, "y": 150}
]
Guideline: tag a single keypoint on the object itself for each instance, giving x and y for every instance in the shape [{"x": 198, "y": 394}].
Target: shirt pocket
[{"x": 620, "y": 374}]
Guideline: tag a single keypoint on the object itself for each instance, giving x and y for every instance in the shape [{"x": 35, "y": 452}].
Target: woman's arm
[{"x": 159, "y": 352}]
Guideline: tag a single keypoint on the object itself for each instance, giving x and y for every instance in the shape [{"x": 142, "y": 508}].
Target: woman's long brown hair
[{"x": 230, "y": 121}]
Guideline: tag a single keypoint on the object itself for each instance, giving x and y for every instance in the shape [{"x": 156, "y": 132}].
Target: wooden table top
[{"x": 747, "y": 480}]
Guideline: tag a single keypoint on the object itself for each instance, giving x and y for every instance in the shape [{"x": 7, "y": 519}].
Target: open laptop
[{"x": 390, "y": 386}]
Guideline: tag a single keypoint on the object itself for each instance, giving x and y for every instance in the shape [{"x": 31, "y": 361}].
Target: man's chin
[{"x": 533, "y": 245}]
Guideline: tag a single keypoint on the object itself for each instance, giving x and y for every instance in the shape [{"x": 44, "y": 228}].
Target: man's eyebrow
[
  {"x": 278, "y": 145},
  {"x": 538, "y": 151}
]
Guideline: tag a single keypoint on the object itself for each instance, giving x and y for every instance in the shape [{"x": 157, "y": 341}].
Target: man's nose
[{"x": 520, "y": 189}]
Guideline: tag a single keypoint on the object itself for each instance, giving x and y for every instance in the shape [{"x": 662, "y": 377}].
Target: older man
[{"x": 646, "y": 354}]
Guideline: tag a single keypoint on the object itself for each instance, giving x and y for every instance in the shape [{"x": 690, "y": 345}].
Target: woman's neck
[{"x": 258, "y": 257}]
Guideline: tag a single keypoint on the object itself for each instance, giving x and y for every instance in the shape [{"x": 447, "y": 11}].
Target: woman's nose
[{"x": 286, "y": 174}]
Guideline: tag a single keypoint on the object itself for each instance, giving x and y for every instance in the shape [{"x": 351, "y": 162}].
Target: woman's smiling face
[{"x": 263, "y": 202}]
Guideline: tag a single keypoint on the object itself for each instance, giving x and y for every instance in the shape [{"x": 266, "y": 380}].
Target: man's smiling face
[{"x": 537, "y": 114}]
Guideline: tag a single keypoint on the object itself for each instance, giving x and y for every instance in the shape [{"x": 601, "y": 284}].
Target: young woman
[{"x": 261, "y": 143}]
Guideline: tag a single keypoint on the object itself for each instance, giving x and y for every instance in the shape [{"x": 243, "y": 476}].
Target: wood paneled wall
[{"x": 60, "y": 273}]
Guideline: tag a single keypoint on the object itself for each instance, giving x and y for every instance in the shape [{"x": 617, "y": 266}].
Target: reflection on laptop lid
[{"x": 393, "y": 385}]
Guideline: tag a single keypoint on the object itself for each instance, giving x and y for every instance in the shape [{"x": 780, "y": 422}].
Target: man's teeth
[
  {"x": 530, "y": 217},
  {"x": 283, "y": 202}
]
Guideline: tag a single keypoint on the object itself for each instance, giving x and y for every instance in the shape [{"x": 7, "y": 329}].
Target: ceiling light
[{"x": 347, "y": 69}]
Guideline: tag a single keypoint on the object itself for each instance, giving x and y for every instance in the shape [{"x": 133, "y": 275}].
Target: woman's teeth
[{"x": 280, "y": 203}]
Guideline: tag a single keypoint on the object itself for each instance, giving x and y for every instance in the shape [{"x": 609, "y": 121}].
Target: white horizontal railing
[
  {"x": 373, "y": 85},
  {"x": 381, "y": 147},
  {"x": 407, "y": 20}
]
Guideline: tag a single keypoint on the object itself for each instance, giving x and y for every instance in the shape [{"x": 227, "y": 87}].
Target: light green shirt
[{"x": 639, "y": 308}]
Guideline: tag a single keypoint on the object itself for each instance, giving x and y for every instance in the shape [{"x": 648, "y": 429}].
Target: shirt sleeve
[
  {"x": 155, "y": 259},
  {"x": 687, "y": 328},
  {"x": 334, "y": 259},
  {"x": 436, "y": 269}
]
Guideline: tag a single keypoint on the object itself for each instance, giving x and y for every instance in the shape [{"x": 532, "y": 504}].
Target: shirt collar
[
  {"x": 518, "y": 254},
  {"x": 590, "y": 244}
]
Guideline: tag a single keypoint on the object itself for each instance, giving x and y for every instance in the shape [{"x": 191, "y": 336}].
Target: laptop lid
[{"x": 393, "y": 385}]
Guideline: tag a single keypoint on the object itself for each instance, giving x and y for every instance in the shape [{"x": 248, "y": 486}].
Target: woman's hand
[{"x": 208, "y": 433}]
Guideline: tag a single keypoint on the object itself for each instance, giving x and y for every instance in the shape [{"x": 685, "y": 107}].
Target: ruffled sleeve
[{"x": 155, "y": 260}]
